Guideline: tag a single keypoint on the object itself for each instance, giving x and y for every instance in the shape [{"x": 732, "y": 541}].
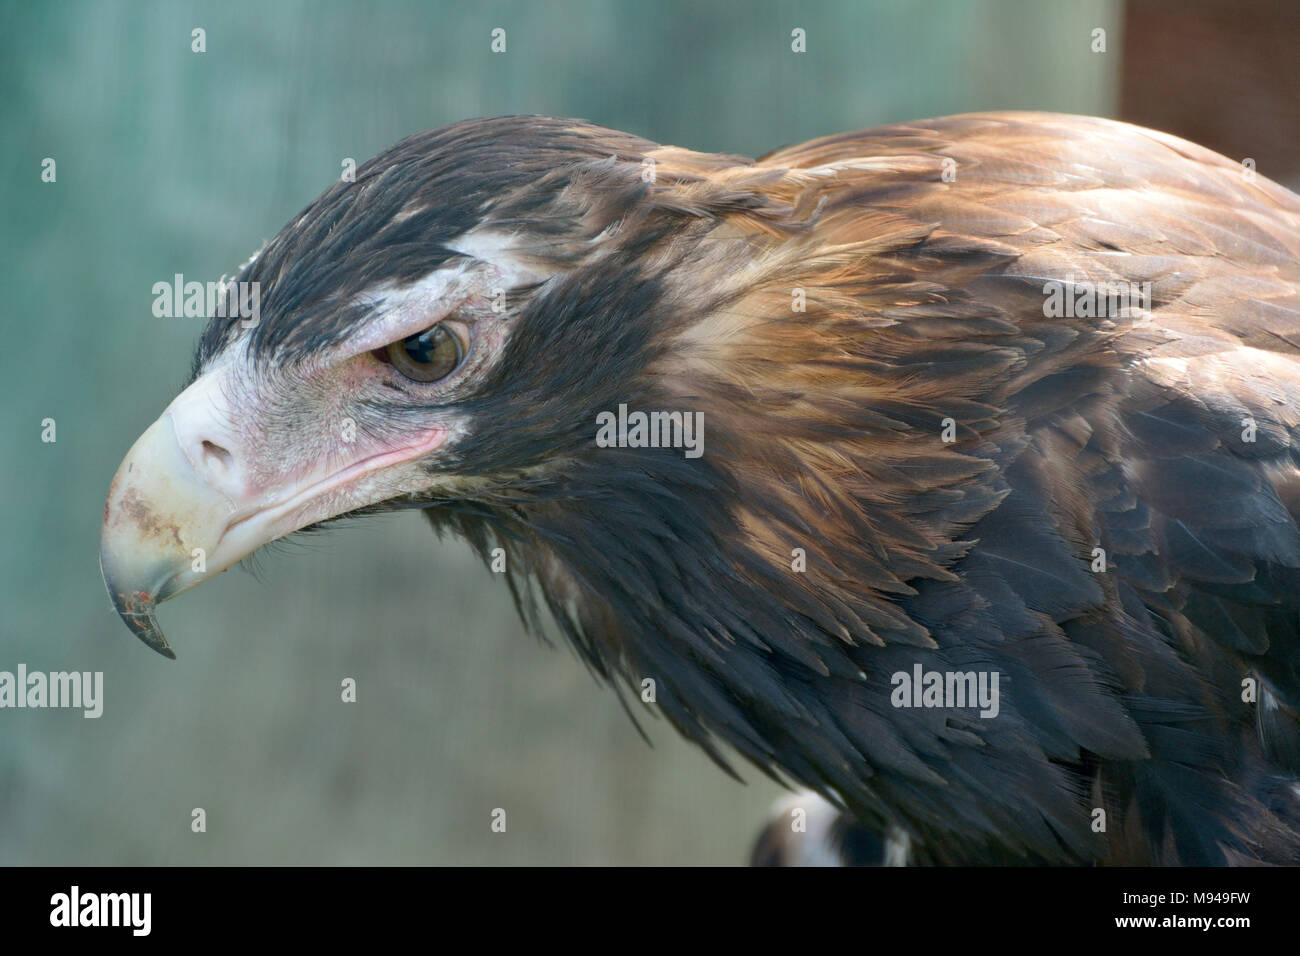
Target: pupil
[{"x": 421, "y": 348}]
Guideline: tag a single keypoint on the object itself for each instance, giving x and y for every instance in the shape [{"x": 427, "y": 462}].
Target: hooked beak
[
  {"x": 185, "y": 504},
  {"x": 161, "y": 521}
]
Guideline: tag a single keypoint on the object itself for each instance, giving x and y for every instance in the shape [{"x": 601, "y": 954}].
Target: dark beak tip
[
  {"x": 137, "y": 613},
  {"x": 145, "y": 627}
]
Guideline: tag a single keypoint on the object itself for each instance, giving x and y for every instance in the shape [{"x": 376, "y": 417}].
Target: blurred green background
[{"x": 173, "y": 161}]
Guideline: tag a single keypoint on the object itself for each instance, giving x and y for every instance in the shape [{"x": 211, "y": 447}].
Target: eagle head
[{"x": 444, "y": 333}]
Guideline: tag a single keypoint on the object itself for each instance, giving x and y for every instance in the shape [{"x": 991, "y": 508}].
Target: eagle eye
[{"x": 427, "y": 356}]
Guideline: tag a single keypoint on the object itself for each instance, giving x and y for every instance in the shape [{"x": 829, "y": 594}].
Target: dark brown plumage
[{"x": 908, "y": 461}]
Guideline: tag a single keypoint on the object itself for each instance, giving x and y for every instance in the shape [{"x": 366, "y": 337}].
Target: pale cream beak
[
  {"x": 162, "y": 520},
  {"x": 183, "y": 506}
]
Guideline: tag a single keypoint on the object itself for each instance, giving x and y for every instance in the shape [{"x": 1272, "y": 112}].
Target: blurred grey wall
[{"x": 173, "y": 161}]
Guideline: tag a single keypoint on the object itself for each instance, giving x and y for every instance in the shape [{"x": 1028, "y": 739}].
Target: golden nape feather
[{"x": 971, "y": 500}]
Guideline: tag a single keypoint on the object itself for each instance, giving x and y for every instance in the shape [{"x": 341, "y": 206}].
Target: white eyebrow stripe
[{"x": 501, "y": 251}]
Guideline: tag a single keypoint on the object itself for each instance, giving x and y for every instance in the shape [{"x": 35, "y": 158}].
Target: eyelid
[
  {"x": 387, "y": 325},
  {"x": 456, "y": 326}
]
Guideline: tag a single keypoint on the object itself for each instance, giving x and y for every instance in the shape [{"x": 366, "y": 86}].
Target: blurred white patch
[{"x": 813, "y": 846}]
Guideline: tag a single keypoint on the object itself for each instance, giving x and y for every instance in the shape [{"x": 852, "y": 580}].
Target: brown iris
[{"x": 426, "y": 356}]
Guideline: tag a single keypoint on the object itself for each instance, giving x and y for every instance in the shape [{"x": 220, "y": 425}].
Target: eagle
[{"x": 947, "y": 470}]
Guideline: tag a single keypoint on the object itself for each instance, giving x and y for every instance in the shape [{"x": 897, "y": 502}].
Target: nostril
[{"x": 215, "y": 454}]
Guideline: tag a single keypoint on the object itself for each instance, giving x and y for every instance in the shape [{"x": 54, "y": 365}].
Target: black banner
[{"x": 934, "y": 905}]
